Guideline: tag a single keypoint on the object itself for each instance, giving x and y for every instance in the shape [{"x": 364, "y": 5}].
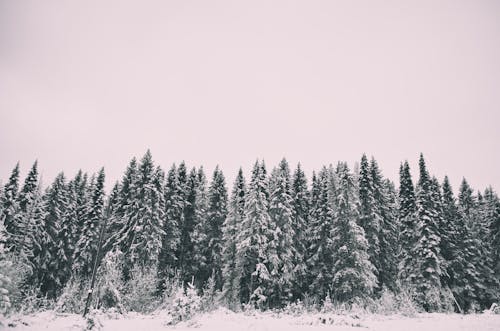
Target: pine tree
[
  {"x": 86, "y": 247},
  {"x": 282, "y": 216},
  {"x": 370, "y": 217},
  {"x": 231, "y": 229},
  {"x": 427, "y": 254},
  {"x": 24, "y": 239},
  {"x": 488, "y": 292},
  {"x": 408, "y": 227},
  {"x": 492, "y": 221},
  {"x": 384, "y": 197},
  {"x": 146, "y": 215},
  {"x": 353, "y": 272},
  {"x": 173, "y": 218},
  {"x": 191, "y": 194},
  {"x": 216, "y": 214},
  {"x": 253, "y": 260},
  {"x": 301, "y": 206},
  {"x": 10, "y": 208},
  {"x": 199, "y": 236},
  {"x": 449, "y": 234},
  {"x": 120, "y": 231},
  {"x": 52, "y": 260},
  {"x": 321, "y": 253},
  {"x": 465, "y": 264}
]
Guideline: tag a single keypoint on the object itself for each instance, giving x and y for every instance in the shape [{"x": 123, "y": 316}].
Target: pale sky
[{"x": 85, "y": 84}]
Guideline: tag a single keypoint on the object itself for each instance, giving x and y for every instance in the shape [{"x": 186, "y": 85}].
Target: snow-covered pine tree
[
  {"x": 86, "y": 247},
  {"x": 215, "y": 216},
  {"x": 199, "y": 235},
  {"x": 146, "y": 215},
  {"x": 167, "y": 262},
  {"x": 301, "y": 203},
  {"x": 27, "y": 195},
  {"x": 254, "y": 240},
  {"x": 10, "y": 210},
  {"x": 113, "y": 225},
  {"x": 407, "y": 221},
  {"x": 4, "y": 280},
  {"x": 282, "y": 216},
  {"x": 370, "y": 218},
  {"x": 427, "y": 254},
  {"x": 488, "y": 292},
  {"x": 120, "y": 229},
  {"x": 186, "y": 247},
  {"x": 449, "y": 233},
  {"x": 321, "y": 255},
  {"x": 353, "y": 276},
  {"x": 231, "y": 229},
  {"x": 492, "y": 220},
  {"x": 389, "y": 238},
  {"x": 383, "y": 193},
  {"x": 52, "y": 266},
  {"x": 466, "y": 257}
]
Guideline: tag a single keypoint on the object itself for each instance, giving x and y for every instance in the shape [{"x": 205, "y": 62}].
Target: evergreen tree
[
  {"x": 321, "y": 253},
  {"x": 488, "y": 291},
  {"x": 87, "y": 245},
  {"x": 408, "y": 228},
  {"x": 199, "y": 236},
  {"x": 10, "y": 210},
  {"x": 23, "y": 241},
  {"x": 370, "y": 217},
  {"x": 353, "y": 272},
  {"x": 282, "y": 216},
  {"x": 191, "y": 194},
  {"x": 301, "y": 205},
  {"x": 253, "y": 260},
  {"x": 449, "y": 234},
  {"x": 492, "y": 221},
  {"x": 216, "y": 214},
  {"x": 173, "y": 218},
  {"x": 120, "y": 229},
  {"x": 231, "y": 229},
  {"x": 427, "y": 253},
  {"x": 389, "y": 237},
  {"x": 466, "y": 256},
  {"x": 146, "y": 215},
  {"x": 52, "y": 263}
]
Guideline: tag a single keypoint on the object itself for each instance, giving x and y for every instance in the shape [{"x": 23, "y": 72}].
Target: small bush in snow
[
  {"x": 185, "y": 304},
  {"x": 140, "y": 294},
  {"x": 295, "y": 309},
  {"x": 13, "y": 273},
  {"x": 72, "y": 299},
  {"x": 211, "y": 296}
]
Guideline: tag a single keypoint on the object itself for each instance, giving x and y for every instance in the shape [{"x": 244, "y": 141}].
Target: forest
[{"x": 344, "y": 236}]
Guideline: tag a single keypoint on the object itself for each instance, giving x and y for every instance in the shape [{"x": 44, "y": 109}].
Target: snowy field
[{"x": 223, "y": 320}]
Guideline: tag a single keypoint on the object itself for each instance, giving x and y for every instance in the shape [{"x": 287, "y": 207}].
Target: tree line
[{"x": 347, "y": 236}]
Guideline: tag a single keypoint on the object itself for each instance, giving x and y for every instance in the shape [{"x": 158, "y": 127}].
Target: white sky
[{"x": 92, "y": 83}]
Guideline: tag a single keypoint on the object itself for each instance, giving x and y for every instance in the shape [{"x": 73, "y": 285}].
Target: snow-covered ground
[{"x": 223, "y": 320}]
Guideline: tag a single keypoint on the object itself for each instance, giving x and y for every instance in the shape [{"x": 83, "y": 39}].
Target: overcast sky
[{"x": 92, "y": 83}]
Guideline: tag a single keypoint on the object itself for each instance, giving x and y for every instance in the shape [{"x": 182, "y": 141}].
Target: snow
[{"x": 225, "y": 320}]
